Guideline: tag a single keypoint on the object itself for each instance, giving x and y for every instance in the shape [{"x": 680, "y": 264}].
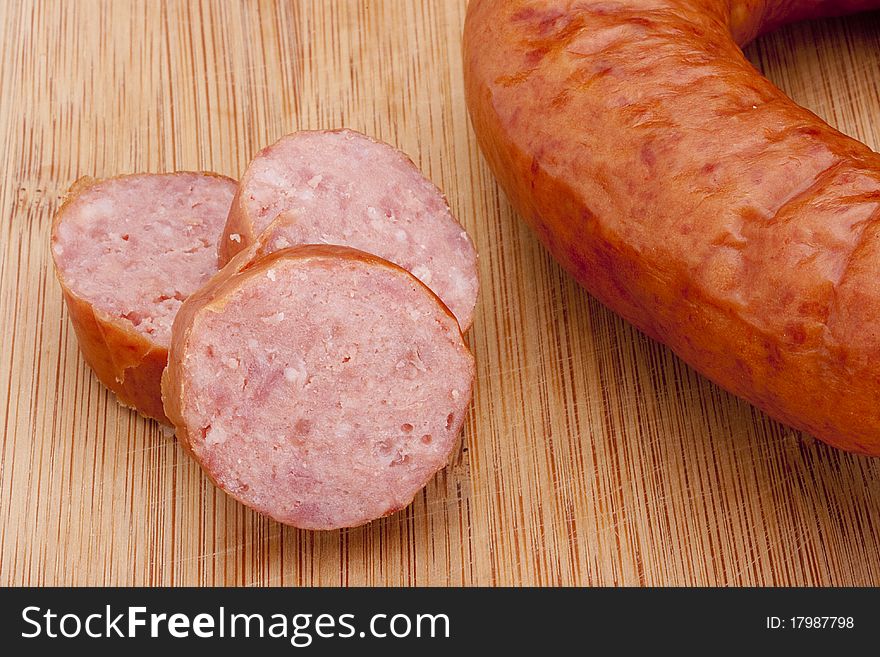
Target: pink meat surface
[
  {"x": 136, "y": 246},
  {"x": 324, "y": 392},
  {"x": 345, "y": 188}
]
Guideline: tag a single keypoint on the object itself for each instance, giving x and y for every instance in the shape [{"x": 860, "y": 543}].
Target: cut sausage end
[
  {"x": 127, "y": 252},
  {"x": 320, "y": 386},
  {"x": 136, "y": 246},
  {"x": 341, "y": 187}
]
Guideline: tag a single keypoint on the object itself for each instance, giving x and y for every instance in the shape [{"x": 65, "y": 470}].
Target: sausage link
[{"x": 690, "y": 195}]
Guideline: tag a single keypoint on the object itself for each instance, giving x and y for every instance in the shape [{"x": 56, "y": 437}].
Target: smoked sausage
[
  {"x": 127, "y": 252},
  {"x": 689, "y": 194},
  {"x": 319, "y": 385},
  {"x": 342, "y": 187}
]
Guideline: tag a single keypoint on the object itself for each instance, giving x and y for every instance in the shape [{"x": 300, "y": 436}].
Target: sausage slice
[
  {"x": 318, "y": 385},
  {"x": 344, "y": 188},
  {"x": 127, "y": 252}
]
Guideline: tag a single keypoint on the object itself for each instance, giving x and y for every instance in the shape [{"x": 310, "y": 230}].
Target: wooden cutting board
[{"x": 592, "y": 455}]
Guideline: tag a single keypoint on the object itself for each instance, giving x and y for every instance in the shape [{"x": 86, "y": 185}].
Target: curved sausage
[
  {"x": 341, "y": 187},
  {"x": 318, "y": 385},
  {"x": 690, "y": 195},
  {"x": 127, "y": 251}
]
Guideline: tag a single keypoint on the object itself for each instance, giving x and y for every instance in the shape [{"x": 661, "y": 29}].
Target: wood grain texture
[{"x": 592, "y": 455}]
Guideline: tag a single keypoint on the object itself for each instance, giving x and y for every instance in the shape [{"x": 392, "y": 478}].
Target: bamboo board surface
[{"x": 591, "y": 454}]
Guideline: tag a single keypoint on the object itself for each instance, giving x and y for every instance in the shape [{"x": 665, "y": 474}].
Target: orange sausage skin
[{"x": 691, "y": 196}]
